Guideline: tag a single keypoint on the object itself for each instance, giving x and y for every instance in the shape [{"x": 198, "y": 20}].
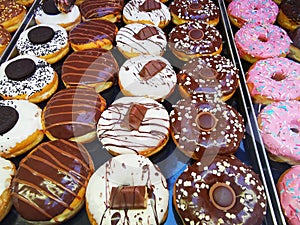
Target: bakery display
[
  {"x": 21, "y": 127},
  {"x": 147, "y": 76},
  {"x": 27, "y": 77},
  {"x": 289, "y": 14},
  {"x": 130, "y": 190},
  {"x": 50, "y": 182},
  {"x": 273, "y": 80}
]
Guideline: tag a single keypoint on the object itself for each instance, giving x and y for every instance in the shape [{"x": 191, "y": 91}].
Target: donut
[
  {"x": 255, "y": 42},
  {"x": 289, "y": 14},
  {"x": 274, "y": 79},
  {"x": 206, "y": 127},
  {"x": 279, "y": 127},
  {"x": 93, "y": 34},
  {"x": 110, "y": 10},
  {"x": 194, "y": 39},
  {"x": 222, "y": 190},
  {"x": 49, "y": 42},
  {"x": 130, "y": 189},
  {"x": 96, "y": 68},
  {"x": 50, "y": 182},
  {"x": 7, "y": 171},
  {"x": 147, "y": 76},
  {"x": 48, "y": 13},
  {"x": 5, "y": 38},
  {"x": 11, "y": 15},
  {"x": 183, "y": 11},
  {"x": 295, "y": 45},
  {"x": 64, "y": 6},
  {"x": 288, "y": 191},
  {"x": 252, "y": 11},
  {"x": 27, "y": 77},
  {"x": 141, "y": 39},
  {"x": 151, "y": 12},
  {"x": 134, "y": 125},
  {"x": 208, "y": 75},
  {"x": 26, "y": 3},
  {"x": 72, "y": 114}
]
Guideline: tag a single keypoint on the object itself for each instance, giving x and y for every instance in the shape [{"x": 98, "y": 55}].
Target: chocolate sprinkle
[
  {"x": 41, "y": 35},
  {"x": 8, "y": 118},
  {"x": 20, "y": 69}
]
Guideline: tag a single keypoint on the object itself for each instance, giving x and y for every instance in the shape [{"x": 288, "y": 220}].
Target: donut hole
[
  {"x": 262, "y": 38},
  {"x": 278, "y": 76},
  {"x": 222, "y": 196},
  {"x": 295, "y": 130},
  {"x": 208, "y": 73},
  {"x": 195, "y": 6}
]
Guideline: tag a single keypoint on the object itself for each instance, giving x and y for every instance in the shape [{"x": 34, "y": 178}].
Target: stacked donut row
[{"x": 56, "y": 176}]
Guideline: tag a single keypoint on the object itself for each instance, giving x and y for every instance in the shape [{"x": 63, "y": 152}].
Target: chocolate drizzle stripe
[{"x": 96, "y": 9}]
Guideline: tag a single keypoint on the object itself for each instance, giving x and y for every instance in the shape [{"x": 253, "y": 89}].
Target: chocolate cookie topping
[
  {"x": 50, "y": 8},
  {"x": 20, "y": 69},
  {"x": 8, "y": 118},
  {"x": 41, "y": 35}
]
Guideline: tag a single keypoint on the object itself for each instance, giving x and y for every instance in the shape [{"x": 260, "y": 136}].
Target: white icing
[
  {"x": 29, "y": 122},
  {"x": 6, "y": 174},
  {"x": 154, "y": 45},
  {"x": 132, "y": 13},
  {"x": 133, "y": 170},
  {"x": 59, "y": 41},
  {"x": 154, "y": 128},
  {"x": 62, "y": 18},
  {"x": 157, "y": 87},
  {"x": 42, "y": 77}
]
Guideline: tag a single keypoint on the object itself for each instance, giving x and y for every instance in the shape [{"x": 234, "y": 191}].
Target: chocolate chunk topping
[
  {"x": 150, "y": 5},
  {"x": 208, "y": 73},
  {"x": 128, "y": 197},
  {"x": 145, "y": 33},
  {"x": 206, "y": 121},
  {"x": 8, "y": 118},
  {"x": 41, "y": 35},
  {"x": 278, "y": 76},
  {"x": 50, "y": 8},
  {"x": 151, "y": 68},
  {"x": 222, "y": 196},
  {"x": 195, "y": 6},
  {"x": 134, "y": 117},
  {"x": 20, "y": 69},
  {"x": 196, "y": 34}
]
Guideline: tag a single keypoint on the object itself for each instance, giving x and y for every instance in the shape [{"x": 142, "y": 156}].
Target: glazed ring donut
[
  {"x": 27, "y": 77},
  {"x": 49, "y": 42},
  {"x": 11, "y": 15},
  {"x": 200, "y": 127},
  {"x": 5, "y": 38},
  {"x": 147, "y": 12},
  {"x": 219, "y": 191},
  {"x": 134, "y": 125},
  {"x": 274, "y": 79},
  {"x": 252, "y": 11},
  {"x": 50, "y": 183},
  {"x": 210, "y": 75},
  {"x": 148, "y": 76},
  {"x": 194, "y": 39},
  {"x": 289, "y": 14},
  {"x": 295, "y": 45},
  {"x": 279, "y": 126},
  {"x": 130, "y": 189},
  {"x": 7, "y": 171},
  {"x": 201, "y": 10},
  {"x": 255, "y": 42},
  {"x": 288, "y": 191},
  {"x": 48, "y": 13}
]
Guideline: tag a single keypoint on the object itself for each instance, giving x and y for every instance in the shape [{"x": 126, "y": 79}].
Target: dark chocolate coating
[
  {"x": 295, "y": 37},
  {"x": 291, "y": 8},
  {"x": 50, "y": 8}
]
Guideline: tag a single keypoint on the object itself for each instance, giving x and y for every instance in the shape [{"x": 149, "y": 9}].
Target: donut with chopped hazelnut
[{"x": 5, "y": 38}]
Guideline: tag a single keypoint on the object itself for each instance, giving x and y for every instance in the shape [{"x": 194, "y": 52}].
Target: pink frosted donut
[
  {"x": 274, "y": 79},
  {"x": 256, "y": 42},
  {"x": 288, "y": 189},
  {"x": 241, "y": 12},
  {"x": 279, "y": 125}
]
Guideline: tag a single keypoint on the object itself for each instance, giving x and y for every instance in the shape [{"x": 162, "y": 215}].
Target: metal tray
[{"x": 170, "y": 160}]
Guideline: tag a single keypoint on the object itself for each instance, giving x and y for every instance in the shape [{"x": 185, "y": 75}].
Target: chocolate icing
[
  {"x": 41, "y": 34},
  {"x": 295, "y": 36},
  {"x": 10, "y": 9},
  {"x": 151, "y": 68},
  {"x": 50, "y": 8},
  {"x": 150, "y": 5},
  {"x": 291, "y": 8},
  {"x": 146, "y": 32},
  {"x": 64, "y": 6},
  {"x": 8, "y": 118},
  {"x": 20, "y": 69},
  {"x": 49, "y": 179},
  {"x": 134, "y": 117}
]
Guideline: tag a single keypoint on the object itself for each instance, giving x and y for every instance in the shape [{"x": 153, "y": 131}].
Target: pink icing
[
  {"x": 253, "y": 11},
  {"x": 288, "y": 189},
  {"x": 262, "y": 41},
  {"x": 261, "y": 73},
  {"x": 280, "y": 129}
]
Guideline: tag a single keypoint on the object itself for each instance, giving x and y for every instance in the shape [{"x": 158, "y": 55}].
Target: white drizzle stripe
[
  {"x": 29, "y": 122},
  {"x": 6, "y": 174}
]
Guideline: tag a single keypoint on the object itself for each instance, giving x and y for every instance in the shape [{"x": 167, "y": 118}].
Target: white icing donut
[
  {"x": 151, "y": 136},
  {"x": 158, "y": 17},
  {"x": 28, "y": 123},
  {"x": 42, "y": 77},
  {"x": 127, "y": 42},
  {"x": 132, "y": 170},
  {"x": 159, "y": 86}
]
